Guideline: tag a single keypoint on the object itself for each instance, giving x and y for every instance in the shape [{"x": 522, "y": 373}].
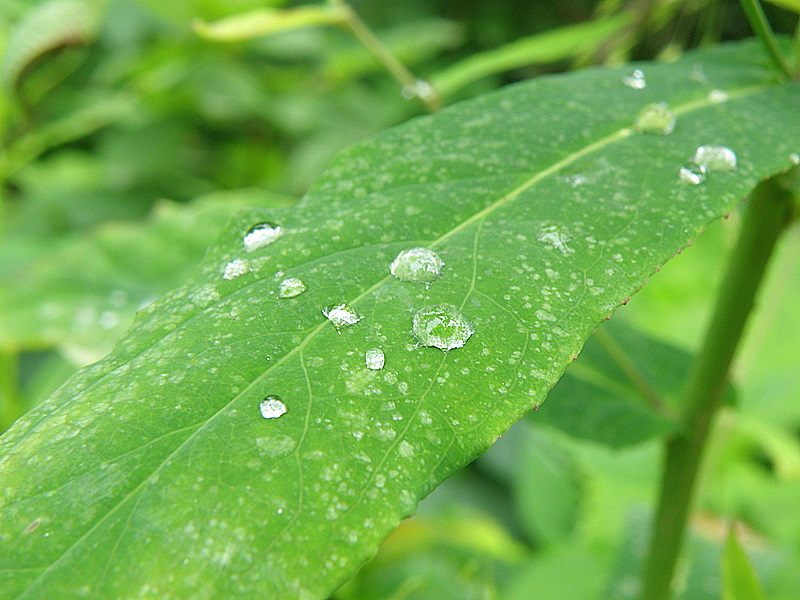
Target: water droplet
[
  {"x": 795, "y": 158},
  {"x": 375, "y": 359},
  {"x": 419, "y": 89},
  {"x": 236, "y": 268},
  {"x": 717, "y": 96},
  {"x": 272, "y": 407},
  {"x": 635, "y": 80},
  {"x": 715, "y": 158},
  {"x": 556, "y": 237},
  {"x": 441, "y": 326},
  {"x": 656, "y": 118},
  {"x": 693, "y": 174},
  {"x": 262, "y": 235},
  {"x": 291, "y": 287},
  {"x": 421, "y": 265},
  {"x": 341, "y": 316}
]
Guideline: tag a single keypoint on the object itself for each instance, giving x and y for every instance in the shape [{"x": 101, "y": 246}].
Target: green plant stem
[
  {"x": 10, "y": 404},
  {"x": 767, "y": 214},
  {"x": 412, "y": 85},
  {"x": 758, "y": 21}
]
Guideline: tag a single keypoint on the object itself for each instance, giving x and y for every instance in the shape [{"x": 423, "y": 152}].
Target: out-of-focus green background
[{"x": 128, "y": 139}]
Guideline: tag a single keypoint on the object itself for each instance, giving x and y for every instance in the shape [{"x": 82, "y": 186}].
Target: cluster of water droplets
[
  {"x": 707, "y": 159},
  {"x": 635, "y": 80}
]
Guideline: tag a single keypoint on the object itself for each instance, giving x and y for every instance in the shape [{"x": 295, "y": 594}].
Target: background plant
[{"x": 102, "y": 123}]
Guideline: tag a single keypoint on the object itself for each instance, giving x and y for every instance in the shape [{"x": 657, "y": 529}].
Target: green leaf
[
  {"x": 739, "y": 581},
  {"x": 619, "y": 385},
  {"x": 152, "y": 473},
  {"x": 267, "y": 21},
  {"x": 45, "y": 27}
]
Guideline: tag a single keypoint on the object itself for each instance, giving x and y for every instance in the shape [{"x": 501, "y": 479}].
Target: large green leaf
[{"x": 152, "y": 474}]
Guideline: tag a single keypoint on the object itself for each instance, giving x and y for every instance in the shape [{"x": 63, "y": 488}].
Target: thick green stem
[
  {"x": 758, "y": 21},
  {"x": 767, "y": 214}
]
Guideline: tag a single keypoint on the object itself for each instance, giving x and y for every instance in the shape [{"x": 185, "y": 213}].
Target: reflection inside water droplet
[
  {"x": 374, "y": 359},
  {"x": 693, "y": 174},
  {"x": 635, "y": 80},
  {"x": 656, "y": 118},
  {"x": 420, "y": 265},
  {"x": 272, "y": 407},
  {"x": 291, "y": 287},
  {"x": 342, "y": 315},
  {"x": 262, "y": 235},
  {"x": 441, "y": 326},
  {"x": 715, "y": 158}
]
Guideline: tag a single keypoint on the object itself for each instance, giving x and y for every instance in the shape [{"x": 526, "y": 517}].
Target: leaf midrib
[{"x": 502, "y": 201}]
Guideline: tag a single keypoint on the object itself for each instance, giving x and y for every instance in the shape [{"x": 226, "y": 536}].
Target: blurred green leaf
[
  {"x": 549, "y": 46},
  {"x": 45, "y": 27},
  {"x": 267, "y": 21},
  {"x": 619, "y": 385},
  {"x": 793, "y": 5},
  {"x": 153, "y": 472},
  {"x": 739, "y": 581},
  {"x": 80, "y": 293}
]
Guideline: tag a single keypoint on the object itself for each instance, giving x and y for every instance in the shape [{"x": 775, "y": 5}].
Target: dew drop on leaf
[
  {"x": 291, "y": 287},
  {"x": 556, "y": 237},
  {"x": 272, "y": 407},
  {"x": 715, "y": 158},
  {"x": 795, "y": 158},
  {"x": 441, "y": 326},
  {"x": 341, "y": 315},
  {"x": 236, "y": 268},
  {"x": 693, "y": 174},
  {"x": 261, "y": 235},
  {"x": 635, "y": 80},
  {"x": 656, "y": 118},
  {"x": 374, "y": 359},
  {"x": 420, "y": 265}
]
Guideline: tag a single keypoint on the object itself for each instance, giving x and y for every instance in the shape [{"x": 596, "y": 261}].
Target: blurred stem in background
[
  {"x": 766, "y": 216},
  {"x": 758, "y": 21},
  {"x": 10, "y": 405}
]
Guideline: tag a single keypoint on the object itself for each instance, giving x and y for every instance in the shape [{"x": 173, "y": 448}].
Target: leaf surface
[{"x": 152, "y": 474}]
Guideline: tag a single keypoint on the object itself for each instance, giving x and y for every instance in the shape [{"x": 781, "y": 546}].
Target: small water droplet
[
  {"x": 693, "y": 174},
  {"x": 441, "y": 326},
  {"x": 715, "y": 158},
  {"x": 419, "y": 89},
  {"x": 420, "y": 265},
  {"x": 656, "y": 118},
  {"x": 635, "y": 80},
  {"x": 272, "y": 407},
  {"x": 795, "y": 158},
  {"x": 291, "y": 287},
  {"x": 374, "y": 359},
  {"x": 341, "y": 315},
  {"x": 262, "y": 235},
  {"x": 236, "y": 268},
  {"x": 717, "y": 96}
]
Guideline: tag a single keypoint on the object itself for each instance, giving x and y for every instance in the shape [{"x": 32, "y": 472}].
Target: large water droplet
[
  {"x": 715, "y": 158},
  {"x": 272, "y": 407},
  {"x": 441, "y": 326},
  {"x": 341, "y": 316},
  {"x": 262, "y": 235},
  {"x": 635, "y": 80},
  {"x": 694, "y": 174},
  {"x": 236, "y": 268},
  {"x": 291, "y": 287},
  {"x": 374, "y": 359},
  {"x": 421, "y": 265},
  {"x": 656, "y": 118}
]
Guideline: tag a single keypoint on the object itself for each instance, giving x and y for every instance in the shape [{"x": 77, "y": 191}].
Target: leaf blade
[{"x": 154, "y": 466}]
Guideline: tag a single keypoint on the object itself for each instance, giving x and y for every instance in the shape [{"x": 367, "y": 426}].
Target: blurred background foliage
[{"x": 131, "y": 131}]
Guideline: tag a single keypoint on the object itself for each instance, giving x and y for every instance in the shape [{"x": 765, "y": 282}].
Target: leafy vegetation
[{"x": 271, "y": 397}]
